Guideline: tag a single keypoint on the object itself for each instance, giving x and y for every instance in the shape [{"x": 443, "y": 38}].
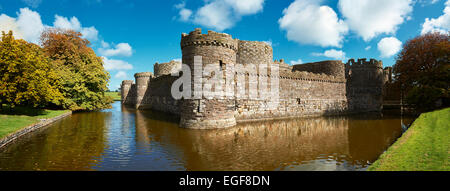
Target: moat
[{"x": 128, "y": 139}]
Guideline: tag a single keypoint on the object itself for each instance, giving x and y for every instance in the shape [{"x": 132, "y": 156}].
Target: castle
[{"x": 311, "y": 89}]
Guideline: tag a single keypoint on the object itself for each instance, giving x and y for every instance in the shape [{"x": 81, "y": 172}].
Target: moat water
[{"x": 126, "y": 139}]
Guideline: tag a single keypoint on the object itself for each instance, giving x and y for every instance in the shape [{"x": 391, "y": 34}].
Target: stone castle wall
[
  {"x": 166, "y": 68},
  {"x": 365, "y": 85},
  {"x": 320, "y": 88},
  {"x": 329, "y": 67}
]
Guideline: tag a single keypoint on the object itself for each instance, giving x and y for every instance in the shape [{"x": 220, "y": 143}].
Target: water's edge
[{"x": 33, "y": 127}]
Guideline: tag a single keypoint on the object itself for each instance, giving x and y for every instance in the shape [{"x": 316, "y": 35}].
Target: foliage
[
  {"x": 84, "y": 80},
  {"x": 424, "y": 146},
  {"x": 27, "y": 76},
  {"x": 423, "y": 69}
]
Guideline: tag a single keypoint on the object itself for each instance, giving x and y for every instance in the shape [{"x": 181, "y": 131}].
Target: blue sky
[{"x": 133, "y": 35}]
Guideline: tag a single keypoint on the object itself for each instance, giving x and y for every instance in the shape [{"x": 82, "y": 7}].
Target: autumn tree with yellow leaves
[
  {"x": 83, "y": 77},
  {"x": 27, "y": 75}
]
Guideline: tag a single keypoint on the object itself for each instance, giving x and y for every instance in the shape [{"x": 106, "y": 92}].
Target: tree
[
  {"x": 84, "y": 80},
  {"x": 26, "y": 74},
  {"x": 423, "y": 70}
]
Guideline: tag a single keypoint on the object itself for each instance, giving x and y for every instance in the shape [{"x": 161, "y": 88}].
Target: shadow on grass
[{"x": 19, "y": 110}]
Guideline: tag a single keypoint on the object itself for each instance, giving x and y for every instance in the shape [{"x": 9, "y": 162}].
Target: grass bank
[
  {"x": 114, "y": 95},
  {"x": 425, "y": 146},
  {"x": 13, "y": 120}
]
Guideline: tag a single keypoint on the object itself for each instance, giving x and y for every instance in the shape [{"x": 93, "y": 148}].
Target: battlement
[
  {"x": 143, "y": 74},
  {"x": 366, "y": 64},
  {"x": 166, "y": 68},
  {"x": 254, "y": 52},
  {"x": 196, "y": 38},
  {"x": 283, "y": 66},
  {"x": 329, "y": 67},
  {"x": 127, "y": 82}
]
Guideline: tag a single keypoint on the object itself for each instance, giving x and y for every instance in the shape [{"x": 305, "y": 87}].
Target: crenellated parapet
[
  {"x": 363, "y": 63},
  {"x": 254, "y": 52},
  {"x": 196, "y": 38},
  {"x": 166, "y": 68},
  {"x": 334, "y": 68}
]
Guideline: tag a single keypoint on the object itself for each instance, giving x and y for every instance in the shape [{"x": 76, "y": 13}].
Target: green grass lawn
[
  {"x": 20, "y": 117},
  {"x": 114, "y": 95},
  {"x": 424, "y": 147}
]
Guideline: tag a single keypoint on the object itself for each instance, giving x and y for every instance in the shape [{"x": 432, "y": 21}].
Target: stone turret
[
  {"x": 214, "y": 48},
  {"x": 166, "y": 68},
  {"x": 365, "y": 80},
  {"x": 125, "y": 89},
  {"x": 142, "y": 82}
]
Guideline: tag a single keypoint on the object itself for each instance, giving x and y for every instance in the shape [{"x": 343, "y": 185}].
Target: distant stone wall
[
  {"x": 166, "y": 68},
  {"x": 301, "y": 94},
  {"x": 329, "y": 67},
  {"x": 160, "y": 97}
]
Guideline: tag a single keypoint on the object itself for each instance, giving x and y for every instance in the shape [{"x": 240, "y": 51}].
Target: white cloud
[
  {"x": 389, "y": 46},
  {"x": 73, "y": 23},
  {"x": 220, "y": 14},
  {"x": 332, "y": 53},
  {"x": 294, "y": 62},
  {"x": 440, "y": 24},
  {"x": 369, "y": 18},
  {"x": 215, "y": 15},
  {"x": 121, "y": 49},
  {"x": 185, "y": 14},
  {"x": 32, "y": 3},
  {"x": 8, "y": 23},
  {"x": 121, "y": 74},
  {"x": 28, "y": 25},
  {"x": 111, "y": 64},
  {"x": 307, "y": 22},
  {"x": 246, "y": 7},
  {"x": 368, "y": 48}
]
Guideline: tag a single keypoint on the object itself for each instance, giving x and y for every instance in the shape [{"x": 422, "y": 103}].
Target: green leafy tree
[
  {"x": 83, "y": 77},
  {"x": 26, "y": 74},
  {"x": 423, "y": 70}
]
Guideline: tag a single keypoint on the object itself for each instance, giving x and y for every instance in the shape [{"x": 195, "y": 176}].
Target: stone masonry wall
[
  {"x": 320, "y": 88},
  {"x": 329, "y": 67},
  {"x": 365, "y": 85},
  {"x": 166, "y": 68},
  {"x": 160, "y": 97}
]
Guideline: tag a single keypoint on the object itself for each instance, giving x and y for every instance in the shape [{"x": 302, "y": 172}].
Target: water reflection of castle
[{"x": 271, "y": 145}]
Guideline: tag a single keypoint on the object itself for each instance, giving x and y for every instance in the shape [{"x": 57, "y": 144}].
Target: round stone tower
[
  {"x": 214, "y": 48},
  {"x": 166, "y": 68},
  {"x": 125, "y": 89},
  {"x": 254, "y": 52},
  {"x": 142, "y": 83}
]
